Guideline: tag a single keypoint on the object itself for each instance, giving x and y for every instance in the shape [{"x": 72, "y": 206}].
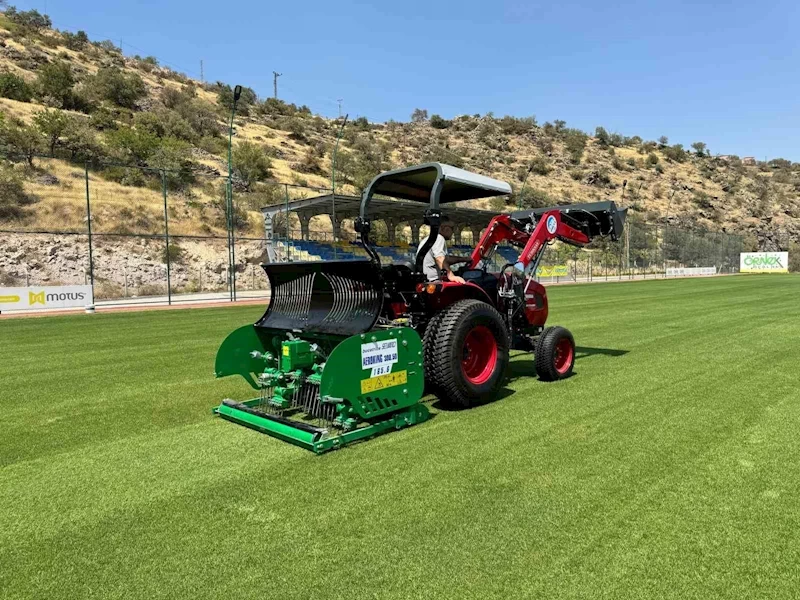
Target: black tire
[
  {"x": 555, "y": 354},
  {"x": 428, "y": 351},
  {"x": 463, "y": 321}
]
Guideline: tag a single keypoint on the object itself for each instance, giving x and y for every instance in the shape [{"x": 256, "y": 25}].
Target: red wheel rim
[
  {"x": 564, "y": 353},
  {"x": 480, "y": 355}
]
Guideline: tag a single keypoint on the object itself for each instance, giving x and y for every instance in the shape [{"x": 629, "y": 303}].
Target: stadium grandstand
[{"x": 404, "y": 216}]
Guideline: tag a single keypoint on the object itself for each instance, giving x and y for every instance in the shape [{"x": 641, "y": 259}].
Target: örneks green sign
[{"x": 764, "y": 262}]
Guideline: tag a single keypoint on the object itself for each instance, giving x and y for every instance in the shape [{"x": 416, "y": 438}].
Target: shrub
[
  {"x": 225, "y": 98},
  {"x": 80, "y": 141},
  {"x": 52, "y": 124},
  {"x": 540, "y": 166},
  {"x": 170, "y": 157},
  {"x": 575, "y": 142},
  {"x": 699, "y": 148},
  {"x": 296, "y": 128},
  {"x": 55, "y": 82},
  {"x": 250, "y": 163},
  {"x": 239, "y": 218},
  {"x": 75, "y": 41},
  {"x": 794, "y": 257},
  {"x": 114, "y": 85},
  {"x": 515, "y": 126},
  {"x": 21, "y": 140},
  {"x": 361, "y": 123},
  {"x": 675, "y": 153},
  {"x": 532, "y": 198},
  {"x": 132, "y": 146},
  {"x": 310, "y": 162},
  {"x": 174, "y": 254},
  {"x": 438, "y": 122},
  {"x": 419, "y": 115},
  {"x": 15, "y": 87},
  {"x": 108, "y": 46},
  {"x": 702, "y": 199},
  {"x": 780, "y": 163},
  {"x": 103, "y": 119},
  {"x": 652, "y": 159},
  {"x": 13, "y": 197},
  {"x": 603, "y": 139},
  {"x": 166, "y": 123},
  {"x": 213, "y": 144},
  {"x": 29, "y": 19}
]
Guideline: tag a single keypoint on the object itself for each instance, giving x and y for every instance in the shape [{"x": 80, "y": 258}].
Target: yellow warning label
[
  {"x": 286, "y": 350},
  {"x": 8, "y": 299},
  {"x": 383, "y": 381}
]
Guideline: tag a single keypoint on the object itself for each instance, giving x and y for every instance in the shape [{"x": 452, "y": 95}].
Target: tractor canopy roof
[{"x": 436, "y": 183}]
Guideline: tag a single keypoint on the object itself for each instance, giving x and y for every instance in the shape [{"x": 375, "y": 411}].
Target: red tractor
[{"x": 467, "y": 328}]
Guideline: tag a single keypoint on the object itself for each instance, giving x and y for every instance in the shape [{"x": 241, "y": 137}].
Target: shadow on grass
[
  {"x": 586, "y": 351},
  {"x": 518, "y": 369}
]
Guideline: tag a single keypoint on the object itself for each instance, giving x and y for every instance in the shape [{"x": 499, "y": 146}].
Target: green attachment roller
[{"x": 323, "y": 391}]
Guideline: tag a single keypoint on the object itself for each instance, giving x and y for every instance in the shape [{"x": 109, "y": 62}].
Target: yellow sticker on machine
[
  {"x": 384, "y": 381},
  {"x": 286, "y": 350}
]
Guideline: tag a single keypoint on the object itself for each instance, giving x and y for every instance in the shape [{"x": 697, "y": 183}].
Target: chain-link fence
[
  {"x": 141, "y": 235},
  {"x": 137, "y": 235}
]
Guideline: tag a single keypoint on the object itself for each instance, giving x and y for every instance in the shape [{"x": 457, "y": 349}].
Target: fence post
[
  {"x": 89, "y": 228},
  {"x": 286, "y": 197},
  {"x": 166, "y": 236}
]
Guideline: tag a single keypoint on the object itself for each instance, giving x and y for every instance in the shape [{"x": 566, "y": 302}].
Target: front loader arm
[
  {"x": 549, "y": 227},
  {"x": 500, "y": 229}
]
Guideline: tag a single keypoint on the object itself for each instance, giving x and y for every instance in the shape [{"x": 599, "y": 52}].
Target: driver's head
[{"x": 446, "y": 229}]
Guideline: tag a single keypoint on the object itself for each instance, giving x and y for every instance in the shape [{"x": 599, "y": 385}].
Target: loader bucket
[{"x": 340, "y": 297}]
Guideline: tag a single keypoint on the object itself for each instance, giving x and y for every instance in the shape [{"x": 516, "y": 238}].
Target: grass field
[{"x": 667, "y": 466}]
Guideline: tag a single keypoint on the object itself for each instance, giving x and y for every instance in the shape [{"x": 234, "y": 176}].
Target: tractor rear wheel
[
  {"x": 469, "y": 354},
  {"x": 555, "y": 354},
  {"x": 429, "y": 350}
]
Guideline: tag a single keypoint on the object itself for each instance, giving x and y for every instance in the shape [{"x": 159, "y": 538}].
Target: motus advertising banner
[
  {"x": 764, "y": 262},
  {"x": 28, "y": 298}
]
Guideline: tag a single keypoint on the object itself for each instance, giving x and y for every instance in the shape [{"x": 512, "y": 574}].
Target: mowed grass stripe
[{"x": 661, "y": 472}]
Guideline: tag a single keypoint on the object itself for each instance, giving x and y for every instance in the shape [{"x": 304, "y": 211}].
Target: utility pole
[
  {"x": 275, "y": 76},
  {"x": 202, "y": 78},
  {"x": 340, "y": 100}
]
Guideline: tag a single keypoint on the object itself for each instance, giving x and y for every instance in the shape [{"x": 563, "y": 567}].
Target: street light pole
[
  {"x": 333, "y": 184},
  {"x": 237, "y": 92}
]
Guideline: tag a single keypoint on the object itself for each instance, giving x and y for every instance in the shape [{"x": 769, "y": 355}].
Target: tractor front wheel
[
  {"x": 469, "y": 353},
  {"x": 555, "y": 354}
]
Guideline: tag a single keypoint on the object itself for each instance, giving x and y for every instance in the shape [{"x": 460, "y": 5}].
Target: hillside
[{"x": 83, "y": 102}]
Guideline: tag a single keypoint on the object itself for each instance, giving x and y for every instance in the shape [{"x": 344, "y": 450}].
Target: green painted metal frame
[
  {"x": 363, "y": 414},
  {"x": 413, "y": 415}
]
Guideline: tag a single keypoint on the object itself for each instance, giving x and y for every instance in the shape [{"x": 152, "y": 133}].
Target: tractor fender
[{"x": 446, "y": 293}]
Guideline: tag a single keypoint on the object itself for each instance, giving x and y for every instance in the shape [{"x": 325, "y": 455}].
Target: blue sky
[{"x": 722, "y": 73}]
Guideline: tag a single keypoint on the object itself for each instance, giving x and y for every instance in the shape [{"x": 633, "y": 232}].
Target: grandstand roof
[{"x": 347, "y": 207}]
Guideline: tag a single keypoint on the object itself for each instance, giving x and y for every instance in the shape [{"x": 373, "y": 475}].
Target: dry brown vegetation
[{"x": 664, "y": 183}]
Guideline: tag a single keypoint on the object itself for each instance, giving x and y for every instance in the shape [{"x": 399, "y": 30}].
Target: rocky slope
[{"x": 183, "y": 121}]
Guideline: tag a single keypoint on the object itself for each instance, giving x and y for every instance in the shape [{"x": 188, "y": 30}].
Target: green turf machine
[{"x": 326, "y": 373}]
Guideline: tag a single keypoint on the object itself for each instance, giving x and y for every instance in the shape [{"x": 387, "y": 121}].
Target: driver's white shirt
[{"x": 438, "y": 250}]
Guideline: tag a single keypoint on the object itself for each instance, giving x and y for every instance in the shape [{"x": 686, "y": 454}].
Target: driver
[{"x": 436, "y": 264}]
